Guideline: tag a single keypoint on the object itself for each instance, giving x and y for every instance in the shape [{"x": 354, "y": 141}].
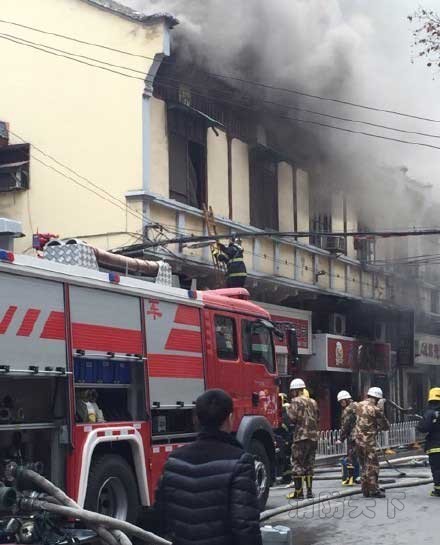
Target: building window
[
  {"x": 226, "y": 338},
  {"x": 365, "y": 246},
  {"x": 14, "y": 167},
  {"x": 320, "y": 218},
  {"x": 257, "y": 344},
  {"x": 263, "y": 172},
  {"x": 187, "y": 156}
]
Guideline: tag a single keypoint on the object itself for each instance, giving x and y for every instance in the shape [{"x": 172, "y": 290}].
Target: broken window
[
  {"x": 263, "y": 172},
  {"x": 320, "y": 218},
  {"x": 14, "y": 167},
  {"x": 187, "y": 156}
]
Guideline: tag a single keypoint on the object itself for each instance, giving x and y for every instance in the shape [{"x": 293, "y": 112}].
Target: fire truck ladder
[{"x": 220, "y": 267}]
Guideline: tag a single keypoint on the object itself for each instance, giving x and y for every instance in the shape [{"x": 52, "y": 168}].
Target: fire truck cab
[{"x": 99, "y": 375}]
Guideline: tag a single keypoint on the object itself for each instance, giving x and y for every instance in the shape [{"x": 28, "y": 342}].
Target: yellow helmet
[
  {"x": 306, "y": 393},
  {"x": 434, "y": 394}
]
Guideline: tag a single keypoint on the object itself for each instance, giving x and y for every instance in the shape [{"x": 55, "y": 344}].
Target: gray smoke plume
[{"x": 346, "y": 49}]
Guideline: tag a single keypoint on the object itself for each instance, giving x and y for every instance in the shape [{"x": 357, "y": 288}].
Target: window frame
[
  {"x": 235, "y": 338},
  {"x": 273, "y": 367}
]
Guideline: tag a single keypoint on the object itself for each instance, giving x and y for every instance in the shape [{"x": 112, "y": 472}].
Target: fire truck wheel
[
  {"x": 262, "y": 471},
  {"x": 112, "y": 488}
]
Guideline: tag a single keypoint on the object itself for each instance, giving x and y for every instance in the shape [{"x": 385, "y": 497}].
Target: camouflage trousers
[
  {"x": 369, "y": 461},
  {"x": 303, "y": 457}
]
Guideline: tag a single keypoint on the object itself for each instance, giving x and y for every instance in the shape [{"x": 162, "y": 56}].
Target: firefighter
[
  {"x": 431, "y": 425},
  {"x": 350, "y": 464},
  {"x": 304, "y": 416},
  {"x": 232, "y": 256},
  {"x": 370, "y": 420}
]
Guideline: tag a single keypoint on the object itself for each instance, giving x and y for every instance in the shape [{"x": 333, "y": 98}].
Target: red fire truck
[{"x": 99, "y": 374}]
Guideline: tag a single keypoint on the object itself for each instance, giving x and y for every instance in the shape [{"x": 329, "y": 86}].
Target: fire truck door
[
  {"x": 227, "y": 371},
  {"x": 259, "y": 370}
]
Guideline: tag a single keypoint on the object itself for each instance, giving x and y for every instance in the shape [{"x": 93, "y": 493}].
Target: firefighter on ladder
[{"x": 232, "y": 256}]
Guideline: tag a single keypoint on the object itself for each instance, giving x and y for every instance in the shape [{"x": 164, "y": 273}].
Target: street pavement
[{"x": 405, "y": 517}]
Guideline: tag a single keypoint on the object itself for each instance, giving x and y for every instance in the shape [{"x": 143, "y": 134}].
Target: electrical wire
[
  {"x": 117, "y": 202},
  {"x": 285, "y": 106},
  {"x": 289, "y": 118},
  {"x": 255, "y": 83},
  {"x": 264, "y": 101}
]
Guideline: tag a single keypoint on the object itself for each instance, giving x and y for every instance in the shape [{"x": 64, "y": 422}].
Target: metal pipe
[{"x": 126, "y": 264}]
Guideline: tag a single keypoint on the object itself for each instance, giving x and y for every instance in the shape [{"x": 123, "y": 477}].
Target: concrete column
[
  {"x": 240, "y": 181},
  {"x": 302, "y": 200},
  {"x": 218, "y": 191},
  {"x": 286, "y": 213}
]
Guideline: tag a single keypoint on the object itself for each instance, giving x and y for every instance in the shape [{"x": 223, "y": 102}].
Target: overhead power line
[
  {"x": 280, "y": 234},
  {"x": 255, "y": 83},
  {"x": 241, "y": 105}
]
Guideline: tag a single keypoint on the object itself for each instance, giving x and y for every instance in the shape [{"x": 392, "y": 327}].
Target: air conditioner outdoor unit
[
  {"x": 337, "y": 324},
  {"x": 333, "y": 244},
  {"x": 380, "y": 331}
]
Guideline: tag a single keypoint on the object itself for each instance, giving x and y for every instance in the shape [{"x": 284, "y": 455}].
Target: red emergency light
[
  {"x": 114, "y": 277},
  {"x": 7, "y": 256}
]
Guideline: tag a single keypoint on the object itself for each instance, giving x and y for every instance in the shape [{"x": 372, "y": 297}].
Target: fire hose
[
  {"x": 111, "y": 531},
  {"x": 301, "y": 504}
]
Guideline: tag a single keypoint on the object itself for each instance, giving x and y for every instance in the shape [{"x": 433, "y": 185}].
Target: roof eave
[{"x": 116, "y": 8}]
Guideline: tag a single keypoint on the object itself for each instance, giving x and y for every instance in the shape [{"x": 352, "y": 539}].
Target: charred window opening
[
  {"x": 365, "y": 247},
  {"x": 14, "y": 167},
  {"x": 263, "y": 189},
  {"x": 435, "y": 302},
  {"x": 320, "y": 218},
  {"x": 187, "y": 157}
]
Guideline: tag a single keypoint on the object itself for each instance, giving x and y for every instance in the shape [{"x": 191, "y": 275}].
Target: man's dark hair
[{"x": 213, "y": 407}]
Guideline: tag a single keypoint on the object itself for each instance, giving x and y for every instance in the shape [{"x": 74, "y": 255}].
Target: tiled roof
[{"x": 124, "y": 11}]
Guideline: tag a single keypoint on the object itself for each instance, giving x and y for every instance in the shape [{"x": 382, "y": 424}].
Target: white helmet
[
  {"x": 343, "y": 394},
  {"x": 375, "y": 392},
  {"x": 297, "y": 384}
]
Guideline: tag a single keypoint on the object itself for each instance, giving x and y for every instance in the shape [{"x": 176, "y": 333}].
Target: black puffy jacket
[
  {"x": 207, "y": 494},
  {"x": 431, "y": 425}
]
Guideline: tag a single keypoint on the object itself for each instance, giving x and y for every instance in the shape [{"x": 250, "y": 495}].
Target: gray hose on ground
[
  {"x": 270, "y": 513},
  {"x": 111, "y": 538},
  {"x": 93, "y": 518}
]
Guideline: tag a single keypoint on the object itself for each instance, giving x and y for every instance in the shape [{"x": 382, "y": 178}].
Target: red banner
[{"x": 302, "y": 330}]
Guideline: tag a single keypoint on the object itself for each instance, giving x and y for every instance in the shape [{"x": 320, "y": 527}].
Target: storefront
[
  {"x": 426, "y": 371},
  {"x": 346, "y": 363}
]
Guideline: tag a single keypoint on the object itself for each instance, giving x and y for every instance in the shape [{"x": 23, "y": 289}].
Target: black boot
[
  {"x": 298, "y": 492},
  {"x": 309, "y": 485},
  {"x": 379, "y": 493}
]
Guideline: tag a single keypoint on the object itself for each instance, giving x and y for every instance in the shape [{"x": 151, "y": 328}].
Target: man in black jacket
[
  {"x": 431, "y": 425},
  {"x": 207, "y": 494}
]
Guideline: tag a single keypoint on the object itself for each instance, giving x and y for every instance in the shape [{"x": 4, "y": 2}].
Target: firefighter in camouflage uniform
[
  {"x": 370, "y": 420},
  {"x": 304, "y": 416},
  {"x": 350, "y": 464}
]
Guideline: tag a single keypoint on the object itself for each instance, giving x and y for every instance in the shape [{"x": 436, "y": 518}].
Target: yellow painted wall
[
  {"x": 248, "y": 248},
  {"x": 338, "y": 276},
  {"x": 193, "y": 225},
  {"x": 305, "y": 266},
  {"x": 367, "y": 284},
  {"x": 285, "y": 265},
  {"x": 218, "y": 193},
  {"x": 353, "y": 281},
  {"x": 285, "y": 197},
  {"x": 87, "y": 118},
  {"x": 159, "y": 167},
  {"x": 380, "y": 290},
  {"x": 240, "y": 181},
  {"x": 302, "y": 200},
  {"x": 265, "y": 256},
  {"x": 323, "y": 265}
]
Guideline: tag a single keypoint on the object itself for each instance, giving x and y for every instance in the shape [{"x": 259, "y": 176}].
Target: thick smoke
[{"x": 345, "y": 49}]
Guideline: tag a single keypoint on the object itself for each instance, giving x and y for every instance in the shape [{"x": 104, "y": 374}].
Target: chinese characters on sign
[{"x": 427, "y": 349}]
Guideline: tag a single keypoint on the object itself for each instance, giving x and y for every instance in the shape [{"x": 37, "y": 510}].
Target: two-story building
[{"x": 115, "y": 138}]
